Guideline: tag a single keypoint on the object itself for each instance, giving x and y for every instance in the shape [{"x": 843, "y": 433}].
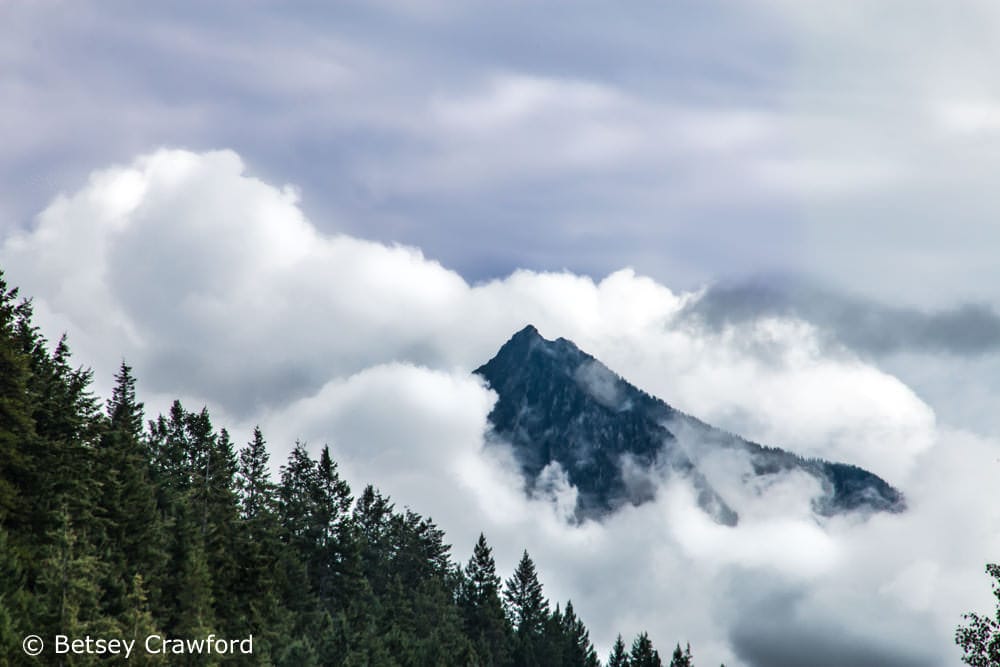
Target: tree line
[{"x": 115, "y": 526}]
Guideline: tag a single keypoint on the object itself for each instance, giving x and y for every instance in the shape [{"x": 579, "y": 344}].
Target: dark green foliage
[
  {"x": 682, "y": 658},
  {"x": 16, "y": 427},
  {"x": 113, "y": 529},
  {"x": 257, "y": 492},
  {"x": 68, "y": 594},
  {"x": 577, "y": 648},
  {"x": 14, "y": 597},
  {"x": 618, "y": 656},
  {"x": 526, "y": 605},
  {"x": 131, "y": 539},
  {"x": 643, "y": 654},
  {"x": 528, "y": 611},
  {"x": 483, "y": 616},
  {"x": 980, "y": 637},
  {"x": 256, "y": 590},
  {"x": 138, "y": 623}
]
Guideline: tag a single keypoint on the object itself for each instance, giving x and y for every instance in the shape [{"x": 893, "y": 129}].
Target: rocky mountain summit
[{"x": 569, "y": 417}]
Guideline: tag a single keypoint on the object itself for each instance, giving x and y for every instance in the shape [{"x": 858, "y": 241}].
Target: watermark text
[{"x": 155, "y": 644}]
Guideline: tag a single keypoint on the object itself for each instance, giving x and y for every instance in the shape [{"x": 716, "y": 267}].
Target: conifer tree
[
  {"x": 67, "y": 425},
  {"x": 643, "y": 654},
  {"x": 16, "y": 427},
  {"x": 138, "y": 623},
  {"x": 125, "y": 412},
  {"x": 14, "y": 599},
  {"x": 527, "y": 607},
  {"x": 551, "y": 648},
  {"x": 618, "y": 656},
  {"x": 682, "y": 658},
  {"x": 372, "y": 517},
  {"x": 131, "y": 540},
  {"x": 257, "y": 491},
  {"x": 169, "y": 448},
  {"x": 201, "y": 463},
  {"x": 333, "y": 530},
  {"x": 482, "y": 610},
  {"x": 527, "y": 610},
  {"x": 578, "y": 649},
  {"x": 221, "y": 531},
  {"x": 296, "y": 498},
  {"x": 194, "y": 615},
  {"x": 17, "y": 475},
  {"x": 68, "y": 589},
  {"x": 258, "y": 551}
]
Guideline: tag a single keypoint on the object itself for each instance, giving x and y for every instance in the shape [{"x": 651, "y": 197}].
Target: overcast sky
[
  {"x": 689, "y": 140},
  {"x": 777, "y": 216}
]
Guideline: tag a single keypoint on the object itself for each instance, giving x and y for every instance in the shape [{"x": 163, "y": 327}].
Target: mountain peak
[
  {"x": 529, "y": 331},
  {"x": 561, "y": 408},
  {"x": 527, "y": 346},
  {"x": 567, "y": 414}
]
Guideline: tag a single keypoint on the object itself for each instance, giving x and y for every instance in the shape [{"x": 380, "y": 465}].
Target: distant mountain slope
[{"x": 559, "y": 405}]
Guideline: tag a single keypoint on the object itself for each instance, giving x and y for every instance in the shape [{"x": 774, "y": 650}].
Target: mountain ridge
[{"x": 563, "y": 410}]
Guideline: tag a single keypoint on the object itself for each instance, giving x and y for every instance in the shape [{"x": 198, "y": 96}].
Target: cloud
[
  {"x": 864, "y": 325},
  {"x": 823, "y": 640},
  {"x": 854, "y": 143},
  {"x": 218, "y": 288},
  {"x": 949, "y": 355},
  {"x": 449, "y": 127}
]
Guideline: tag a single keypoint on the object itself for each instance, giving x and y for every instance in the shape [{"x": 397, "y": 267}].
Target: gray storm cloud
[
  {"x": 864, "y": 325},
  {"x": 218, "y": 289},
  {"x": 761, "y": 636}
]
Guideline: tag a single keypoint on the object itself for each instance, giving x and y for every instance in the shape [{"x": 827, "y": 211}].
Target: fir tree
[
  {"x": 527, "y": 610},
  {"x": 682, "y": 658},
  {"x": 527, "y": 607},
  {"x": 169, "y": 447},
  {"x": 643, "y": 654},
  {"x": 578, "y": 649},
  {"x": 551, "y": 648},
  {"x": 68, "y": 588},
  {"x": 138, "y": 623},
  {"x": 125, "y": 412},
  {"x": 14, "y": 599},
  {"x": 482, "y": 610},
  {"x": 618, "y": 656},
  {"x": 131, "y": 535},
  {"x": 372, "y": 517},
  {"x": 296, "y": 498},
  {"x": 67, "y": 426},
  {"x": 256, "y": 590},
  {"x": 221, "y": 532},
  {"x": 194, "y": 615},
  {"x": 333, "y": 530},
  {"x": 16, "y": 427},
  {"x": 257, "y": 491}
]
